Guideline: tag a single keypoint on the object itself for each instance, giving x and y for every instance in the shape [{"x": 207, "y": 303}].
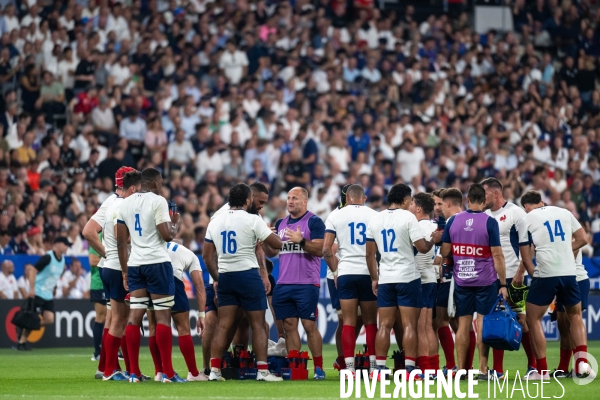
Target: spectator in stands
[
  {"x": 72, "y": 283},
  {"x": 23, "y": 282},
  {"x": 5, "y": 245},
  {"x": 8, "y": 283}
]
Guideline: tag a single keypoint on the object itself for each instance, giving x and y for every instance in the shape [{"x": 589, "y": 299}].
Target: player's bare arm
[
  {"x": 313, "y": 247},
  {"x": 209, "y": 252},
  {"x": 527, "y": 255},
  {"x": 579, "y": 239},
  {"x": 371, "y": 255},
  {"x": 328, "y": 253},
  {"x": 122, "y": 250},
  {"x": 168, "y": 230},
  {"x": 500, "y": 268},
  {"x": 519, "y": 277},
  {"x": 262, "y": 268},
  {"x": 198, "y": 282},
  {"x": 446, "y": 249},
  {"x": 90, "y": 233},
  {"x": 423, "y": 246}
]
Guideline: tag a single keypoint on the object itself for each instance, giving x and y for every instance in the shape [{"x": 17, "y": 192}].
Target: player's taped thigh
[
  {"x": 138, "y": 303},
  {"x": 108, "y": 305},
  {"x": 164, "y": 303}
]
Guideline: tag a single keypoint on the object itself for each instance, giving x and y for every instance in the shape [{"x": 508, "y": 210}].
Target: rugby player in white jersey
[
  {"x": 397, "y": 284},
  {"x": 567, "y": 348},
  {"x": 422, "y": 206},
  {"x": 90, "y": 232},
  {"x": 184, "y": 260},
  {"x": 508, "y": 216},
  {"x": 240, "y": 331},
  {"x": 555, "y": 235},
  {"x": 112, "y": 279},
  {"x": 233, "y": 236},
  {"x": 349, "y": 227},
  {"x": 147, "y": 271}
]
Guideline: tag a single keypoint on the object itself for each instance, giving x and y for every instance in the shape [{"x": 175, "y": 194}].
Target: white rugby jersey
[
  {"x": 141, "y": 213},
  {"x": 220, "y": 211},
  {"x": 394, "y": 232},
  {"x": 580, "y": 272},
  {"x": 100, "y": 217},
  {"x": 234, "y": 234},
  {"x": 349, "y": 225},
  {"x": 425, "y": 261},
  {"x": 109, "y": 239},
  {"x": 182, "y": 259},
  {"x": 550, "y": 229},
  {"x": 508, "y": 216}
]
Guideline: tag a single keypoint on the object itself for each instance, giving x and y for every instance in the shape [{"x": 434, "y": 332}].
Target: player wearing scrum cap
[
  {"x": 148, "y": 273},
  {"x": 112, "y": 279},
  {"x": 92, "y": 233}
]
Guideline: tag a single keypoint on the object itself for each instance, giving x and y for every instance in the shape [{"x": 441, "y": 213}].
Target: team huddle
[{"x": 422, "y": 268}]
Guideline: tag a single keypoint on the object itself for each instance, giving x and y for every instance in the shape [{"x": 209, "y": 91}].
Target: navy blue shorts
[
  {"x": 356, "y": 287},
  {"x": 543, "y": 290},
  {"x": 333, "y": 294},
  {"x": 442, "y": 295},
  {"x": 273, "y": 284},
  {"x": 400, "y": 294},
  {"x": 98, "y": 296},
  {"x": 210, "y": 298},
  {"x": 113, "y": 284},
  {"x": 429, "y": 292},
  {"x": 584, "y": 289},
  {"x": 471, "y": 299},
  {"x": 296, "y": 301},
  {"x": 244, "y": 289},
  {"x": 181, "y": 301},
  {"x": 155, "y": 278}
]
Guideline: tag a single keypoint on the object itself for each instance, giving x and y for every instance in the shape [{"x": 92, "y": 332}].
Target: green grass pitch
[{"x": 68, "y": 373}]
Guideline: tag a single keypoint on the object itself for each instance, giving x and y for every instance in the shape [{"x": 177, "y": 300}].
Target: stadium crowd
[{"x": 315, "y": 94}]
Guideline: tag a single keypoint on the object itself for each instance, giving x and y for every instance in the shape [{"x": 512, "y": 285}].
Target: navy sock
[{"x": 98, "y": 330}]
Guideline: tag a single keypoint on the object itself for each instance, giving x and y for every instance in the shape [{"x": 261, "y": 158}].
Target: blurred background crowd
[{"x": 312, "y": 93}]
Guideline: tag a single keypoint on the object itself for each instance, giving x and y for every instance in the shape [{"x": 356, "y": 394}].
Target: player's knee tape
[
  {"x": 108, "y": 305},
  {"x": 164, "y": 303},
  {"x": 138, "y": 303},
  {"x": 339, "y": 312}
]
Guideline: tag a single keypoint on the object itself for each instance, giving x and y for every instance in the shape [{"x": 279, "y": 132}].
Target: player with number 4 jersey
[
  {"x": 349, "y": 226},
  {"x": 233, "y": 236},
  {"x": 554, "y": 234}
]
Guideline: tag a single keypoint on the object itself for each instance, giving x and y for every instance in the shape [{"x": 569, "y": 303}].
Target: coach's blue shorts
[
  {"x": 155, "y": 278},
  {"x": 543, "y": 290},
  {"x": 113, "y": 284},
  {"x": 584, "y": 289},
  {"x": 333, "y": 294},
  {"x": 210, "y": 298},
  {"x": 442, "y": 295},
  {"x": 356, "y": 287},
  {"x": 400, "y": 294},
  {"x": 429, "y": 292},
  {"x": 244, "y": 289},
  {"x": 296, "y": 301},
  {"x": 470, "y": 299},
  {"x": 181, "y": 301}
]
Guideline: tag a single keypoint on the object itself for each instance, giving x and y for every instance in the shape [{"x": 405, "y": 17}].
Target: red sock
[
  {"x": 447, "y": 343},
  {"x": 341, "y": 362},
  {"x": 371, "y": 331},
  {"x": 102, "y": 360},
  {"x": 542, "y": 365},
  {"x": 125, "y": 353},
  {"x": 421, "y": 363},
  {"x": 498, "y": 360},
  {"x": 112, "y": 353},
  {"x": 531, "y": 361},
  {"x": 348, "y": 340},
  {"x": 436, "y": 362},
  {"x": 215, "y": 363},
  {"x": 164, "y": 340},
  {"x": 565, "y": 359},
  {"x": 318, "y": 361},
  {"x": 430, "y": 362},
  {"x": 186, "y": 345},
  {"x": 134, "y": 338},
  {"x": 472, "y": 347},
  {"x": 155, "y": 354},
  {"x": 579, "y": 358}
]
